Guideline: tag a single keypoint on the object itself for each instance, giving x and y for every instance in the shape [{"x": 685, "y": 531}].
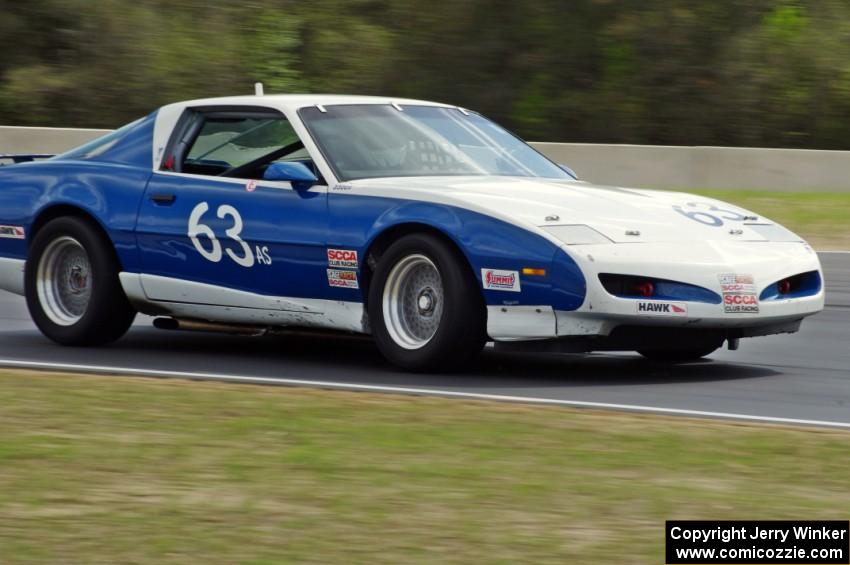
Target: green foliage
[
  {"x": 270, "y": 47},
  {"x": 727, "y": 72}
]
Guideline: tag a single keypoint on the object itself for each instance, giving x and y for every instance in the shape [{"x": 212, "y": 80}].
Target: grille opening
[
  {"x": 797, "y": 286},
  {"x": 642, "y": 287}
]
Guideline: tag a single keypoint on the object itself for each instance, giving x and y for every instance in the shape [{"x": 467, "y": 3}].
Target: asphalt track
[{"x": 802, "y": 378}]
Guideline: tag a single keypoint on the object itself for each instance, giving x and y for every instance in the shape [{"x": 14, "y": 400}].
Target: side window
[{"x": 240, "y": 146}]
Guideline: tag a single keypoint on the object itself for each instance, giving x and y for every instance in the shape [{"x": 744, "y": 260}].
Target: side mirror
[
  {"x": 301, "y": 177},
  {"x": 569, "y": 171}
]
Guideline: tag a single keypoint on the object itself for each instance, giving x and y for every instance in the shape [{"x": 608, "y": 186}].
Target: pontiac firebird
[{"x": 423, "y": 224}]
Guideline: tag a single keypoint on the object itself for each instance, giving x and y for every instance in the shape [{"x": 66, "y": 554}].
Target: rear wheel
[
  {"x": 72, "y": 287},
  {"x": 679, "y": 355},
  {"x": 425, "y": 309}
]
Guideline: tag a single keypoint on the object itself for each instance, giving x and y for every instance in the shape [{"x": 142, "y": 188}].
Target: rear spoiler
[{"x": 15, "y": 159}]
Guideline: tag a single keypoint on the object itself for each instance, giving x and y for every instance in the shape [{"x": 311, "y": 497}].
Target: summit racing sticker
[
  {"x": 493, "y": 279},
  {"x": 739, "y": 294},
  {"x": 343, "y": 258},
  {"x": 342, "y": 279},
  {"x": 656, "y": 308},
  {"x": 12, "y": 232}
]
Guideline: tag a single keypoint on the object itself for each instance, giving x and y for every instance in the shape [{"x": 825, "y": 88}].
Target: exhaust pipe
[{"x": 201, "y": 326}]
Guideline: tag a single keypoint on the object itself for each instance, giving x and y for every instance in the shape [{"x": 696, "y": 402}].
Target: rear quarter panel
[
  {"x": 108, "y": 192},
  {"x": 108, "y": 187}
]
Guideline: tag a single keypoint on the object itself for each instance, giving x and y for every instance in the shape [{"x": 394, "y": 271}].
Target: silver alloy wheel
[
  {"x": 63, "y": 281},
  {"x": 413, "y": 301}
]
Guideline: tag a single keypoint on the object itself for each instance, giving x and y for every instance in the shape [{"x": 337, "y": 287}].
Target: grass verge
[
  {"x": 107, "y": 470},
  {"x": 822, "y": 218}
]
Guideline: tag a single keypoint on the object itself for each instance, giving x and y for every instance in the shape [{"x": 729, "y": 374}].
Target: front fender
[{"x": 486, "y": 242}]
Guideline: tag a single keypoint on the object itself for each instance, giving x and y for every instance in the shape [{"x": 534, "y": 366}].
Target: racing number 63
[
  {"x": 196, "y": 229},
  {"x": 711, "y": 215}
]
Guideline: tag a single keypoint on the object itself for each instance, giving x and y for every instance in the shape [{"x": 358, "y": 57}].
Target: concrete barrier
[
  {"x": 44, "y": 140},
  {"x": 786, "y": 170}
]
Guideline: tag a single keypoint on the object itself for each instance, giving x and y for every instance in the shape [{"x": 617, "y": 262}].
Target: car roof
[
  {"x": 296, "y": 101},
  {"x": 167, "y": 116}
]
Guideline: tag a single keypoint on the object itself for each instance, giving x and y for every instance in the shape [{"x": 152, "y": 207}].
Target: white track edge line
[
  {"x": 832, "y": 252},
  {"x": 415, "y": 391}
]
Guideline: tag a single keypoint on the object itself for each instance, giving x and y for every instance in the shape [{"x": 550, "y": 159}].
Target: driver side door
[{"x": 211, "y": 231}]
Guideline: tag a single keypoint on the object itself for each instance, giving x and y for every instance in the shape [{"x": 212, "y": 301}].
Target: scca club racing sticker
[
  {"x": 493, "y": 279},
  {"x": 12, "y": 232},
  {"x": 656, "y": 308},
  {"x": 739, "y": 294},
  {"x": 342, "y": 279},
  {"x": 342, "y": 258}
]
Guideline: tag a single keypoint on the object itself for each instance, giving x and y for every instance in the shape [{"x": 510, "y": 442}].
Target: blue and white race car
[{"x": 423, "y": 224}]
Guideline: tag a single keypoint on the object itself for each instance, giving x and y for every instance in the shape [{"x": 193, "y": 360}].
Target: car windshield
[{"x": 372, "y": 140}]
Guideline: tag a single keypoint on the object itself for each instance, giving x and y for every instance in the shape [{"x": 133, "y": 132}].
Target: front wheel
[
  {"x": 72, "y": 287},
  {"x": 425, "y": 309}
]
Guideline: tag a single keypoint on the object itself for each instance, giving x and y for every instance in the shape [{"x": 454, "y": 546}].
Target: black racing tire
[
  {"x": 91, "y": 307},
  {"x": 457, "y": 323},
  {"x": 679, "y": 355}
]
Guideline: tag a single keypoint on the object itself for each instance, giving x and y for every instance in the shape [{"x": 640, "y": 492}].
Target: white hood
[{"x": 608, "y": 210}]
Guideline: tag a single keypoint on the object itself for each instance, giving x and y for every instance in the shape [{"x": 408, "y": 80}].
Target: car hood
[{"x": 622, "y": 215}]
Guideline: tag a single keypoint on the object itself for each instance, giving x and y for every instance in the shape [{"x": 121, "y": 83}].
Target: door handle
[{"x": 163, "y": 199}]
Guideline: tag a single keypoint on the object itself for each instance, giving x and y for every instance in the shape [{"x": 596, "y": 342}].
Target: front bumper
[{"x": 696, "y": 263}]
